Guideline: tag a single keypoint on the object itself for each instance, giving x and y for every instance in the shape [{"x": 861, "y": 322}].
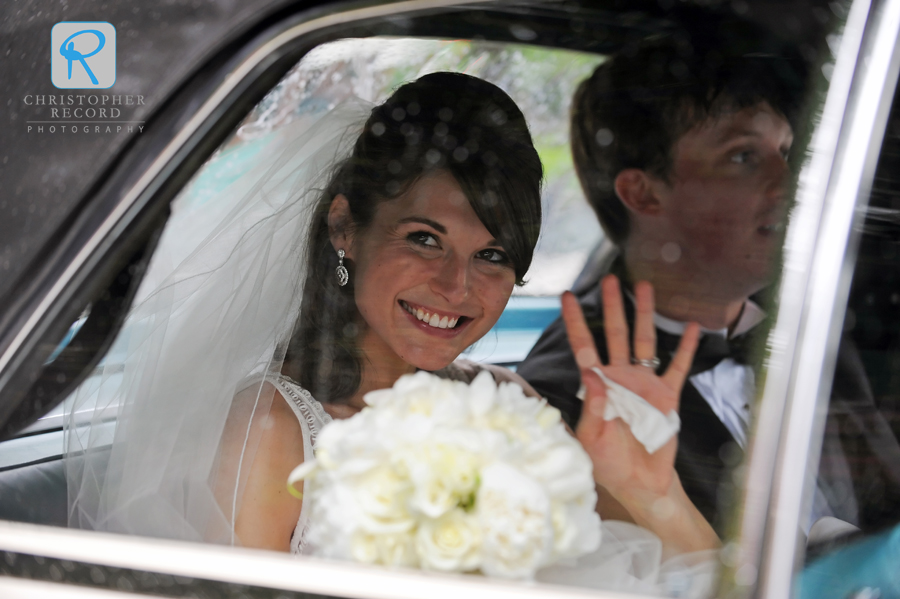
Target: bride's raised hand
[{"x": 621, "y": 463}]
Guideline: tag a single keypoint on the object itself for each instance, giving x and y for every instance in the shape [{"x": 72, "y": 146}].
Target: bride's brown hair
[{"x": 443, "y": 121}]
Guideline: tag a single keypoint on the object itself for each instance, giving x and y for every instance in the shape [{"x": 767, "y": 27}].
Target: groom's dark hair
[
  {"x": 442, "y": 122},
  {"x": 636, "y": 105}
]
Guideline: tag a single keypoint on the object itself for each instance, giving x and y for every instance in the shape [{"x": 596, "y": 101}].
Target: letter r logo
[{"x": 83, "y": 55}]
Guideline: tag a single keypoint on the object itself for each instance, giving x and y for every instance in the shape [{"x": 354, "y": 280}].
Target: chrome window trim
[
  {"x": 743, "y": 573},
  {"x": 814, "y": 287},
  {"x": 268, "y": 568}
]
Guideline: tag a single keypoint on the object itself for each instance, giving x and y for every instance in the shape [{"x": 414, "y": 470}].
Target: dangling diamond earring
[{"x": 341, "y": 270}]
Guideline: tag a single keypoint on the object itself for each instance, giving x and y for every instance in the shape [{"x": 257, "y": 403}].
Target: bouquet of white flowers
[{"x": 442, "y": 475}]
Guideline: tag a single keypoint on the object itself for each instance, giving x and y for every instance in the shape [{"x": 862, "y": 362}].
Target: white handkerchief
[{"x": 648, "y": 425}]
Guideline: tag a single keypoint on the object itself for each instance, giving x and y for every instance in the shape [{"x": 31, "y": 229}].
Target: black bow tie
[{"x": 713, "y": 348}]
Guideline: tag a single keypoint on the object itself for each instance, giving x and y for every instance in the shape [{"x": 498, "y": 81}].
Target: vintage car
[{"x": 198, "y": 86}]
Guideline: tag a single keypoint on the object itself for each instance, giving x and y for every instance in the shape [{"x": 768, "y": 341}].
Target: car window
[
  {"x": 854, "y": 508},
  {"x": 572, "y": 250},
  {"x": 368, "y": 70}
]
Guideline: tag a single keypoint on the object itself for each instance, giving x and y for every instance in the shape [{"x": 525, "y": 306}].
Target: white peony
[
  {"x": 515, "y": 515},
  {"x": 444, "y": 476},
  {"x": 382, "y": 495},
  {"x": 447, "y": 476},
  {"x": 389, "y": 549}
]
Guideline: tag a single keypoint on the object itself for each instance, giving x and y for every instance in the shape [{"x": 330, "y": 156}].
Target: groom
[{"x": 682, "y": 153}]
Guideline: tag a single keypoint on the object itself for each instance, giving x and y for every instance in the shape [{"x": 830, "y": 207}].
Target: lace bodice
[{"x": 312, "y": 417}]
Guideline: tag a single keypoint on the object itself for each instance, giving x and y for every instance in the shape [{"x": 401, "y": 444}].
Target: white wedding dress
[{"x": 312, "y": 418}]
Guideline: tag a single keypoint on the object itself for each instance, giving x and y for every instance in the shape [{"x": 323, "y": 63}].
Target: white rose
[
  {"x": 514, "y": 513},
  {"x": 562, "y": 466},
  {"x": 348, "y": 446},
  {"x": 481, "y": 394},
  {"x": 333, "y": 521},
  {"x": 382, "y": 496},
  {"x": 443, "y": 476},
  {"x": 364, "y": 547},
  {"x": 388, "y": 549},
  {"x": 548, "y": 417},
  {"x": 576, "y": 528},
  {"x": 417, "y": 393},
  {"x": 450, "y": 543}
]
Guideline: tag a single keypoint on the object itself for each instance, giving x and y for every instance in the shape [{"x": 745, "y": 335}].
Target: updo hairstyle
[{"x": 443, "y": 121}]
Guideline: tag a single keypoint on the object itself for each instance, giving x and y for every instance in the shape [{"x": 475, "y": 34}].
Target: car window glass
[
  {"x": 369, "y": 69},
  {"x": 572, "y": 250},
  {"x": 854, "y": 511}
]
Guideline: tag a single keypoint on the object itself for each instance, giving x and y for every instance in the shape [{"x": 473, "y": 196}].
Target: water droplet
[
  {"x": 56, "y": 573},
  {"x": 604, "y": 137},
  {"x": 97, "y": 575},
  {"x": 670, "y": 252},
  {"x": 522, "y": 32}
]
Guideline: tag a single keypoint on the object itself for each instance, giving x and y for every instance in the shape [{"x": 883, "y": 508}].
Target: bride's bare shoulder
[
  {"x": 264, "y": 407},
  {"x": 261, "y": 421},
  {"x": 268, "y": 513}
]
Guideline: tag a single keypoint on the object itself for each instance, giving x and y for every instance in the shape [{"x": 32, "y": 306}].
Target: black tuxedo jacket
[{"x": 859, "y": 472}]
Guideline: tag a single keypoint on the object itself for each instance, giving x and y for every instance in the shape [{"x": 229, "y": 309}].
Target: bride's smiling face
[{"x": 429, "y": 278}]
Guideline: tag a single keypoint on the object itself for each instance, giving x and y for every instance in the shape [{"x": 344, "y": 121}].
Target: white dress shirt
[{"x": 728, "y": 388}]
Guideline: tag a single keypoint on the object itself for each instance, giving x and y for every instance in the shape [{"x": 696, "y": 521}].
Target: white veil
[{"x": 144, "y": 436}]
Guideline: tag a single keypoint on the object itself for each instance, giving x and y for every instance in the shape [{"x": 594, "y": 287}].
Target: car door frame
[{"x": 773, "y": 502}]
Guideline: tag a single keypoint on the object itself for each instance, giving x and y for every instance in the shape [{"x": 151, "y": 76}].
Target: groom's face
[
  {"x": 723, "y": 205},
  {"x": 429, "y": 278}
]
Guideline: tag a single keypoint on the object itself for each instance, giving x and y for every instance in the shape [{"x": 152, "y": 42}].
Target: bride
[{"x": 378, "y": 243}]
